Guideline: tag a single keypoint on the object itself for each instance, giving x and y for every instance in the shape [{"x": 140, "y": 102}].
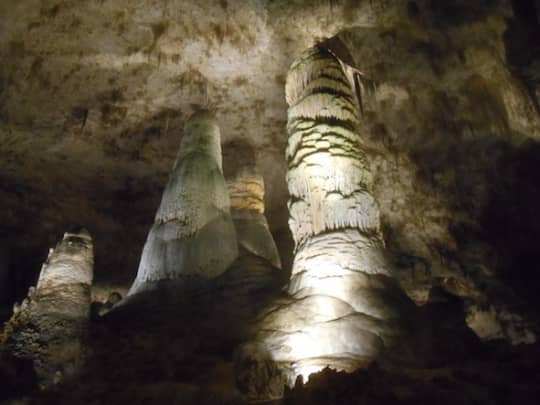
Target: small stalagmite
[
  {"x": 246, "y": 190},
  {"x": 193, "y": 235},
  {"x": 49, "y": 326},
  {"x": 345, "y": 308}
]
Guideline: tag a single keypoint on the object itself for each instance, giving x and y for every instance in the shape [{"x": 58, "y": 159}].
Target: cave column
[
  {"x": 51, "y": 323},
  {"x": 193, "y": 235},
  {"x": 346, "y": 307},
  {"x": 246, "y": 191}
]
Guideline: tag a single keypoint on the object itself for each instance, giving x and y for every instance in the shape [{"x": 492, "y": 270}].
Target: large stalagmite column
[
  {"x": 246, "y": 190},
  {"x": 345, "y": 308},
  {"x": 50, "y": 324},
  {"x": 193, "y": 234}
]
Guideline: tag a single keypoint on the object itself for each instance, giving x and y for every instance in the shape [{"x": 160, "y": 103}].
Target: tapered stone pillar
[
  {"x": 51, "y": 323},
  {"x": 193, "y": 235},
  {"x": 345, "y": 308},
  {"x": 246, "y": 190}
]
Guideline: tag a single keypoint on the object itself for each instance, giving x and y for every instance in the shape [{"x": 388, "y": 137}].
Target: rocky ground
[{"x": 147, "y": 358}]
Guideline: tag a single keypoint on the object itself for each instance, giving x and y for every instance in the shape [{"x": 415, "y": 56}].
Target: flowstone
[
  {"x": 49, "y": 326},
  {"x": 193, "y": 235}
]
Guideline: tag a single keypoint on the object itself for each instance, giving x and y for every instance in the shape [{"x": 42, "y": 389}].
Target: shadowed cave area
[{"x": 269, "y": 201}]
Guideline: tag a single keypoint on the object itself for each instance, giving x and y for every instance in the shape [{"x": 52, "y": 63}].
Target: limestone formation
[
  {"x": 100, "y": 308},
  {"x": 193, "y": 234},
  {"x": 50, "y": 324},
  {"x": 451, "y": 122},
  {"x": 247, "y": 209},
  {"x": 345, "y": 308}
]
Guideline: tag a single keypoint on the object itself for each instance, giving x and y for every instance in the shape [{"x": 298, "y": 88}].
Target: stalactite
[
  {"x": 193, "y": 234},
  {"x": 246, "y": 190},
  {"x": 51, "y": 323}
]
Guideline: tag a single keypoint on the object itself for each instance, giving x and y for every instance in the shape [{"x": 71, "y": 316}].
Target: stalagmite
[
  {"x": 193, "y": 234},
  {"x": 246, "y": 190},
  {"x": 50, "y": 324},
  {"x": 344, "y": 307}
]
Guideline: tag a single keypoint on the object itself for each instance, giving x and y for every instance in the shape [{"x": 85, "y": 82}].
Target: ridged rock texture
[
  {"x": 246, "y": 191},
  {"x": 50, "y": 325},
  {"x": 193, "y": 234},
  {"x": 346, "y": 308},
  {"x": 94, "y": 96}
]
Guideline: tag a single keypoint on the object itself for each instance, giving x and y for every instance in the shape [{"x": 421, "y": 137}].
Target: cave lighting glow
[{"x": 306, "y": 371}]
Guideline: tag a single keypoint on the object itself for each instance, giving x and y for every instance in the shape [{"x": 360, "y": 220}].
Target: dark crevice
[{"x": 522, "y": 39}]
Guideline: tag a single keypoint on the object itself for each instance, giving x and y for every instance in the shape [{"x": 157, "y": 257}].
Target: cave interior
[{"x": 269, "y": 201}]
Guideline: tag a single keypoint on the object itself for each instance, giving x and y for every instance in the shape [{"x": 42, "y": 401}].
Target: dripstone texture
[
  {"x": 193, "y": 234},
  {"x": 94, "y": 96},
  {"x": 345, "y": 307},
  {"x": 449, "y": 116},
  {"x": 246, "y": 191},
  {"x": 49, "y": 327}
]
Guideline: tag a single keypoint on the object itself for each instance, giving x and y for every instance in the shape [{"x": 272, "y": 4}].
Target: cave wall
[
  {"x": 94, "y": 95},
  {"x": 446, "y": 113}
]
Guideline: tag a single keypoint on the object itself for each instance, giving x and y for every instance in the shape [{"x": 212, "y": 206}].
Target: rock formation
[
  {"x": 247, "y": 209},
  {"x": 193, "y": 234},
  {"x": 50, "y": 324},
  {"x": 100, "y": 308},
  {"x": 346, "y": 308},
  {"x": 451, "y": 123},
  {"x": 93, "y": 99}
]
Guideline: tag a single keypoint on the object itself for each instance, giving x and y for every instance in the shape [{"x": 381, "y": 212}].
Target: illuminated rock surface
[
  {"x": 247, "y": 210},
  {"x": 178, "y": 340},
  {"x": 345, "y": 307},
  {"x": 93, "y": 98},
  {"x": 193, "y": 234},
  {"x": 50, "y": 325},
  {"x": 449, "y": 95}
]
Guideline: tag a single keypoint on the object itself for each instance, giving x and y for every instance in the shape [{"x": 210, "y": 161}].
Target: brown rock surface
[{"x": 94, "y": 96}]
